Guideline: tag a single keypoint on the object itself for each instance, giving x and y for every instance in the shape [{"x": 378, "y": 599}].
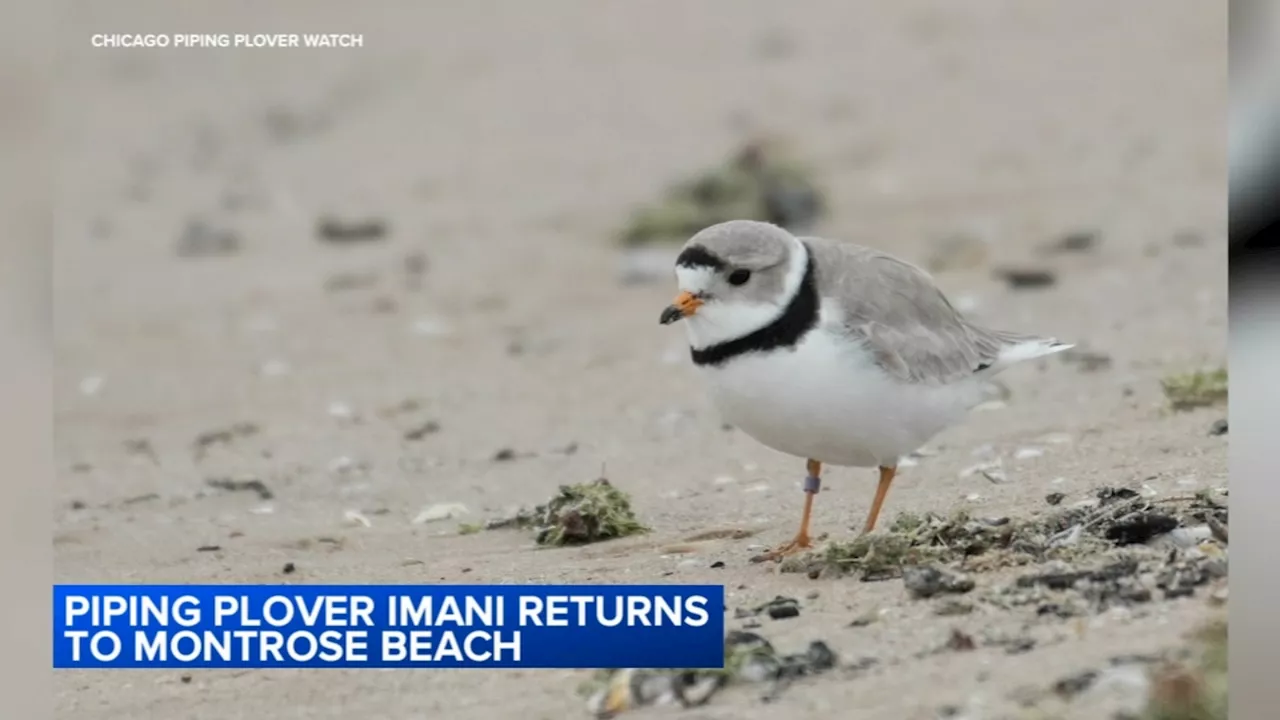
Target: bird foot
[{"x": 801, "y": 542}]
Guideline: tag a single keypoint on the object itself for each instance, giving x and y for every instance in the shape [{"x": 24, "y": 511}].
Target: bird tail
[{"x": 1016, "y": 348}]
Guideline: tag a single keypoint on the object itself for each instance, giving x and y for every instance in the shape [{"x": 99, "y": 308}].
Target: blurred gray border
[
  {"x": 1254, "y": 315},
  {"x": 26, "y": 427}
]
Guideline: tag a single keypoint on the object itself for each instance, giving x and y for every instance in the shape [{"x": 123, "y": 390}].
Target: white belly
[{"x": 827, "y": 401}]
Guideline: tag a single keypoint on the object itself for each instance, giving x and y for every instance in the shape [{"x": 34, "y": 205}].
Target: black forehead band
[{"x": 696, "y": 256}]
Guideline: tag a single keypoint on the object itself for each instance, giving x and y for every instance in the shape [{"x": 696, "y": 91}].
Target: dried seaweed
[
  {"x": 1114, "y": 517},
  {"x": 1203, "y": 388},
  {"x": 579, "y": 514},
  {"x": 757, "y": 183}
]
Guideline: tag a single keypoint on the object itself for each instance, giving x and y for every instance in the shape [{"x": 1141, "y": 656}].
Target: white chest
[{"x": 825, "y": 399}]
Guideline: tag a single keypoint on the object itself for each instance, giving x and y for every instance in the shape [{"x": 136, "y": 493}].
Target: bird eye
[{"x": 739, "y": 277}]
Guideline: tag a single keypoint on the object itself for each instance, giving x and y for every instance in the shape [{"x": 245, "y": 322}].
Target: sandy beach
[{"x": 498, "y": 147}]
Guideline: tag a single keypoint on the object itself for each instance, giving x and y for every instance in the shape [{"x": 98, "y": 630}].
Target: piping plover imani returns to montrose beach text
[{"x": 831, "y": 352}]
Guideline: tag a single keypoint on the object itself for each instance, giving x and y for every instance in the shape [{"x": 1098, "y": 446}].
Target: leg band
[{"x": 812, "y": 484}]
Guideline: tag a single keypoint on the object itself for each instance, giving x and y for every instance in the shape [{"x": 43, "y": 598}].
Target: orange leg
[
  {"x": 886, "y": 479},
  {"x": 812, "y": 484}
]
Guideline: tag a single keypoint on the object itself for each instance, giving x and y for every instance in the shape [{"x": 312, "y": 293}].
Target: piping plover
[{"x": 836, "y": 353}]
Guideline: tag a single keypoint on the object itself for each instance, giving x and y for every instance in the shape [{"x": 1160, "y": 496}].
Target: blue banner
[{"x": 388, "y": 626}]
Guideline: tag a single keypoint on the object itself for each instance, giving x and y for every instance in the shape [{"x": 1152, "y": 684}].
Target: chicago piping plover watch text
[{"x": 832, "y": 352}]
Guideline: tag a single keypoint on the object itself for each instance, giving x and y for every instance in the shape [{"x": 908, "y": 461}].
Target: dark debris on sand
[
  {"x": 1027, "y": 278},
  {"x": 251, "y": 484},
  {"x": 757, "y": 183},
  {"x": 749, "y": 660},
  {"x": 222, "y": 436},
  {"x": 347, "y": 230},
  {"x": 926, "y": 581},
  {"x": 1117, "y": 548}
]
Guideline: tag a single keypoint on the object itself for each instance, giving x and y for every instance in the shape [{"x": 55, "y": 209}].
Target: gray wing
[{"x": 903, "y": 318}]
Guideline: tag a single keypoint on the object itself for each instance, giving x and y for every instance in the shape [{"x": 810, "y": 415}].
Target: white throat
[{"x": 718, "y": 320}]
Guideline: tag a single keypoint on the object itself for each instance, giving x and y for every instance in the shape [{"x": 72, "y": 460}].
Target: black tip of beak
[{"x": 670, "y": 315}]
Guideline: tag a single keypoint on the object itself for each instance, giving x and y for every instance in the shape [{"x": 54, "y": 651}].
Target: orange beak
[{"x": 685, "y": 304}]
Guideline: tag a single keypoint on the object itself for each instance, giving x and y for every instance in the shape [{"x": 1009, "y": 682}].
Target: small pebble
[
  {"x": 927, "y": 581},
  {"x": 1218, "y": 428},
  {"x": 288, "y": 568},
  {"x": 430, "y": 327},
  {"x": 1078, "y": 241},
  {"x": 781, "y": 612},
  {"x": 1073, "y": 685},
  {"x": 1141, "y": 528},
  {"x": 91, "y": 385},
  {"x": 341, "y": 465},
  {"x": 1055, "y": 498},
  {"x": 1183, "y": 538},
  {"x": 717, "y": 565},
  {"x": 417, "y": 433},
  {"x": 342, "y": 230},
  {"x": 440, "y": 511},
  {"x": 960, "y": 641},
  {"x": 356, "y": 517},
  {"x": 781, "y": 608},
  {"x": 865, "y": 619},
  {"x": 1027, "y": 278}
]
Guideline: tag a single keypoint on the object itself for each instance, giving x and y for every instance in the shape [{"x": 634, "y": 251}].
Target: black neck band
[{"x": 800, "y": 316}]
